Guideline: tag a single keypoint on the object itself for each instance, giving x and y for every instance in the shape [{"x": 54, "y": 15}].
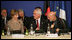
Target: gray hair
[
  {"x": 20, "y": 10},
  {"x": 38, "y": 11}
]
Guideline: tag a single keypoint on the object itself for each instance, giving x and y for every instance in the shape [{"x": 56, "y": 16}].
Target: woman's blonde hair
[{"x": 13, "y": 12}]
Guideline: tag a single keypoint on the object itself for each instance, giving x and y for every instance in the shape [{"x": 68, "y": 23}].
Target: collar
[{"x": 38, "y": 19}]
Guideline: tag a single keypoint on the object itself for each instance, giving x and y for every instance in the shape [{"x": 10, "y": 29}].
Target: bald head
[
  {"x": 52, "y": 13},
  {"x": 51, "y": 16}
]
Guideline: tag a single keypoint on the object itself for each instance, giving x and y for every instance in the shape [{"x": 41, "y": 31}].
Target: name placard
[
  {"x": 52, "y": 35},
  {"x": 17, "y": 35}
]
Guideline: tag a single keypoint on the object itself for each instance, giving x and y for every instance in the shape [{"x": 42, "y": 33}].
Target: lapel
[
  {"x": 34, "y": 21},
  {"x": 40, "y": 22},
  {"x": 34, "y": 24}
]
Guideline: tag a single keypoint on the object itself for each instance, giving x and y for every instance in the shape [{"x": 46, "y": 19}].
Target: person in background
[
  {"x": 21, "y": 14},
  {"x": 57, "y": 25},
  {"x": 15, "y": 25},
  {"x": 23, "y": 18},
  {"x": 4, "y": 19}
]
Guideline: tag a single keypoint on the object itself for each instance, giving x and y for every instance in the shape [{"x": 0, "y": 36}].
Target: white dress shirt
[
  {"x": 5, "y": 21},
  {"x": 38, "y": 21}
]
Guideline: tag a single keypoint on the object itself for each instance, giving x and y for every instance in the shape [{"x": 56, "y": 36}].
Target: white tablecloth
[{"x": 38, "y": 37}]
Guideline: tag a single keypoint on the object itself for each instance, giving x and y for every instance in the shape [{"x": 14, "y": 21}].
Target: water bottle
[
  {"x": 48, "y": 29},
  {"x": 26, "y": 32},
  {"x": 31, "y": 30},
  {"x": 8, "y": 31}
]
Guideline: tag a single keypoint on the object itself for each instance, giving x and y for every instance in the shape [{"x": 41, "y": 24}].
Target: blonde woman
[{"x": 15, "y": 25}]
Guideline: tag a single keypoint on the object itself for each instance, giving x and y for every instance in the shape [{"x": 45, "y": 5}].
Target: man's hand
[
  {"x": 52, "y": 26},
  {"x": 57, "y": 30},
  {"x": 37, "y": 29}
]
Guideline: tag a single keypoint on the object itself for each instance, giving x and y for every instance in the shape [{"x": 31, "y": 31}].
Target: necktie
[{"x": 37, "y": 24}]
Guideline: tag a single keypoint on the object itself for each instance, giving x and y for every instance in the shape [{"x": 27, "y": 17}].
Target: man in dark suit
[
  {"x": 37, "y": 21},
  {"x": 57, "y": 25},
  {"x": 4, "y": 19}
]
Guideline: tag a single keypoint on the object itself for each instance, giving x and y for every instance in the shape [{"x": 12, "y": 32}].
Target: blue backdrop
[{"x": 28, "y": 7}]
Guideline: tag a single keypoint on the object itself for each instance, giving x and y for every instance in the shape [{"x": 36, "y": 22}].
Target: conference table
[{"x": 40, "y": 36}]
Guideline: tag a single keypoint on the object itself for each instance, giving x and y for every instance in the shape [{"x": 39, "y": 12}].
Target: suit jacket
[
  {"x": 34, "y": 25},
  {"x": 25, "y": 20},
  {"x": 3, "y": 22},
  {"x": 3, "y": 26}
]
